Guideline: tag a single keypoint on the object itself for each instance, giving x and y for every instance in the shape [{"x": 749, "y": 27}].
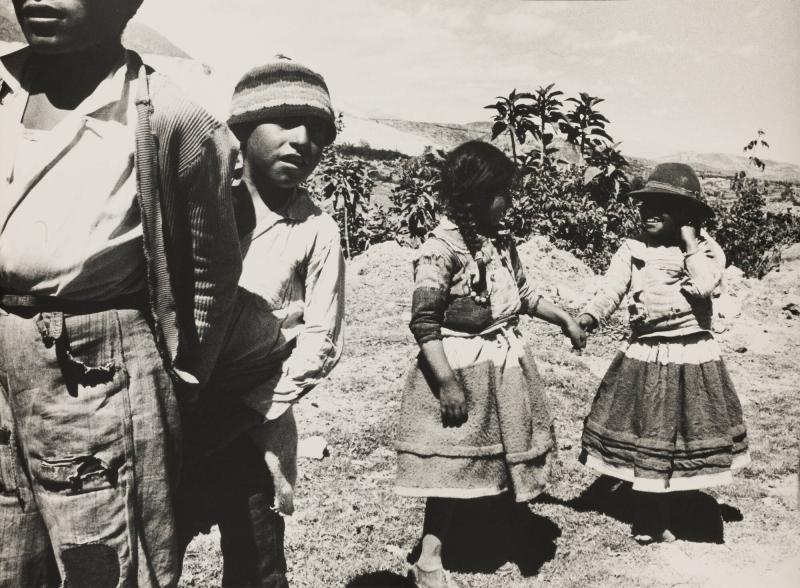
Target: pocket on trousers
[{"x": 91, "y": 348}]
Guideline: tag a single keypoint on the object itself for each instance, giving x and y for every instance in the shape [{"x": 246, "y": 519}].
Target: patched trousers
[{"x": 89, "y": 440}]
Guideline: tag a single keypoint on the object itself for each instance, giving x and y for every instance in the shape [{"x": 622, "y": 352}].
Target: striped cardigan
[{"x": 184, "y": 165}]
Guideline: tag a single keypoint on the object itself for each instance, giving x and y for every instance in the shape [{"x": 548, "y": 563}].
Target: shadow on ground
[
  {"x": 695, "y": 516},
  {"x": 380, "y": 580},
  {"x": 485, "y": 534},
  {"x": 488, "y": 532}
]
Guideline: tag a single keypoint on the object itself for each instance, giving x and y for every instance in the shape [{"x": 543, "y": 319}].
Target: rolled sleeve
[{"x": 433, "y": 272}]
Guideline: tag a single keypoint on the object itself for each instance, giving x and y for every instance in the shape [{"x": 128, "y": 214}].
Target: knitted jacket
[
  {"x": 184, "y": 162},
  {"x": 667, "y": 292}
]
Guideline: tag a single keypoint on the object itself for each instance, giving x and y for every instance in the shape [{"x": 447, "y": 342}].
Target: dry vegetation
[{"x": 350, "y": 529}]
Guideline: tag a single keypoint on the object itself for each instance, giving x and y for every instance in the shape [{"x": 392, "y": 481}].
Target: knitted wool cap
[{"x": 281, "y": 89}]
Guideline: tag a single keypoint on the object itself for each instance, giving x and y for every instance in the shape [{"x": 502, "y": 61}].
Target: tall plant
[
  {"x": 347, "y": 183},
  {"x": 584, "y": 126},
  {"x": 546, "y": 108},
  {"x": 513, "y": 118}
]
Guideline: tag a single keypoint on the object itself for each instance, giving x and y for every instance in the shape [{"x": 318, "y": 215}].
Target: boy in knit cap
[{"x": 287, "y": 334}]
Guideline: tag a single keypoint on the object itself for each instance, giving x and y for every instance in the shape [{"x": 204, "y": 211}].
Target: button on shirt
[
  {"x": 69, "y": 218},
  {"x": 294, "y": 264}
]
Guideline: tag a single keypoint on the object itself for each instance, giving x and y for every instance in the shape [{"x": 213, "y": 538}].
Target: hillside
[
  {"x": 138, "y": 36},
  {"x": 350, "y": 529}
]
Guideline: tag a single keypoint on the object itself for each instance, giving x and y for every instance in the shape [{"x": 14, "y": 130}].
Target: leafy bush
[
  {"x": 555, "y": 202},
  {"x": 346, "y": 184},
  {"x": 750, "y": 235},
  {"x": 414, "y": 198}
]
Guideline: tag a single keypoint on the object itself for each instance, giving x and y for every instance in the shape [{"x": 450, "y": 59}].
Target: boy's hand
[
  {"x": 586, "y": 322},
  {"x": 453, "y": 403},
  {"x": 575, "y": 332}
]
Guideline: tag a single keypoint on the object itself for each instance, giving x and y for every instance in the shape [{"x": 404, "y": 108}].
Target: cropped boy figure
[
  {"x": 287, "y": 332},
  {"x": 119, "y": 260}
]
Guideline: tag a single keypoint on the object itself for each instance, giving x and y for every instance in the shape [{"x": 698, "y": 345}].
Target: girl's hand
[
  {"x": 575, "y": 332},
  {"x": 586, "y": 322},
  {"x": 689, "y": 235},
  {"x": 453, "y": 403}
]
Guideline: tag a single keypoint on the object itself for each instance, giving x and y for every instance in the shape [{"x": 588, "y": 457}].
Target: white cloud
[
  {"x": 623, "y": 38},
  {"x": 748, "y": 50}
]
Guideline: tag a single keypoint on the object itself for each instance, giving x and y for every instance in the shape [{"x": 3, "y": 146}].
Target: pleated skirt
[{"x": 666, "y": 417}]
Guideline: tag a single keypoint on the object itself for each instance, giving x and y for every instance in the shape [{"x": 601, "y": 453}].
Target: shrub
[
  {"x": 750, "y": 235},
  {"x": 555, "y": 202},
  {"x": 414, "y": 197},
  {"x": 346, "y": 184}
]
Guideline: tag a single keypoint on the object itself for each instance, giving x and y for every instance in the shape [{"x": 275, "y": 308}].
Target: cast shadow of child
[
  {"x": 485, "y": 534},
  {"x": 694, "y": 515},
  {"x": 488, "y": 532}
]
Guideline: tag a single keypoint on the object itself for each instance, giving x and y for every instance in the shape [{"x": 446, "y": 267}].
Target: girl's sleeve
[
  {"x": 528, "y": 296},
  {"x": 705, "y": 268},
  {"x": 434, "y": 268},
  {"x": 615, "y": 284}
]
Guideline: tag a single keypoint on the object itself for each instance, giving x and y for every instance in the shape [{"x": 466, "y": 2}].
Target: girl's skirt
[
  {"x": 666, "y": 416},
  {"x": 507, "y": 439}
]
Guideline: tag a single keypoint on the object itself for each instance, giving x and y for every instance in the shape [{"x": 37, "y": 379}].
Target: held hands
[
  {"x": 453, "y": 404},
  {"x": 575, "y": 332},
  {"x": 586, "y": 322}
]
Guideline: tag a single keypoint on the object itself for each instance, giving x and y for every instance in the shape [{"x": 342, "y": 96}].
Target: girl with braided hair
[{"x": 474, "y": 420}]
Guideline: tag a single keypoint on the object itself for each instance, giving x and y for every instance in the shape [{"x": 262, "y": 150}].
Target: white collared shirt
[
  {"x": 69, "y": 219},
  {"x": 295, "y": 265}
]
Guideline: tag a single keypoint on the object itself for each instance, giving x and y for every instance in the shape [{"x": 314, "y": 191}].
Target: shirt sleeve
[
  {"x": 434, "y": 268},
  {"x": 615, "y": 284},
  {"x": 529, "y": 297},
  {"x": 705, "y": 268},
  {"x": 320, "y": 342}
]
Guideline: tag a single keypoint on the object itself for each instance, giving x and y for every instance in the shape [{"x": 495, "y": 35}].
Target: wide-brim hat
[
  {"x": 281, "y": 89},
  {"x": 674, "y": 183}
]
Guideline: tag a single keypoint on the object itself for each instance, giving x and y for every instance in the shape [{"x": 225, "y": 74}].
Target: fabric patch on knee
[{"x": 90, "y": 566}]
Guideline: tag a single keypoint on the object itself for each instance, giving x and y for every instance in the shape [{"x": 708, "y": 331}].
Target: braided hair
[{"x": 472, "y": 174}]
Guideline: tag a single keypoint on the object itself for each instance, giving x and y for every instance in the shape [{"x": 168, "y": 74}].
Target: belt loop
[{"x": 51, "y": 327}]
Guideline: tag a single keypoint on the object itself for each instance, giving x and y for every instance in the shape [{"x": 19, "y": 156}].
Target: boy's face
[
  {"x": 284, "y": 152},
  {"x": 67, "y": 26}
]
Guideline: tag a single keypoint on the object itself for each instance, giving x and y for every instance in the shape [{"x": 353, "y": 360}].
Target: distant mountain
[
  {"x": 728, "y": 164},
  {"x": 144, "y": 39},
  {"x": 138, "y": 36},
  {"x": 411, "y": 137}
]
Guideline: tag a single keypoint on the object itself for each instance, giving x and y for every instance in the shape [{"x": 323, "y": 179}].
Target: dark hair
[{"x": 472, "y": 174}]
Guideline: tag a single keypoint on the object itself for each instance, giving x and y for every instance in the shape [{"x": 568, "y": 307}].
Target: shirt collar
[
  {"x": 297, "y": 209},
  {"x": 10, "y": 81},
  {"x": 109, "y": 91},
  {"x": 448, "y": 232}
]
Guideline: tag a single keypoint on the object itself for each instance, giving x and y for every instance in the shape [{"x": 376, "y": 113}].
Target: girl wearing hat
[
  {"x": 666, "y": 416},
  {"x": 474, "y": 421},
  {"x": 285, "y": 336}
]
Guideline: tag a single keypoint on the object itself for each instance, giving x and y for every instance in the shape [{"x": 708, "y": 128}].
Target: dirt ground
[{"x": 350, "y": 529}]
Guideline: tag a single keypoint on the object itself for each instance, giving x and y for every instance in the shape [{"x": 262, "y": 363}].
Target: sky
[{"x": 676, "y": 75}]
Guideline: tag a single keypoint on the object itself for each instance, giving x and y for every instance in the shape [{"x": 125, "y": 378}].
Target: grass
[{"x": 350, "y": 529}]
